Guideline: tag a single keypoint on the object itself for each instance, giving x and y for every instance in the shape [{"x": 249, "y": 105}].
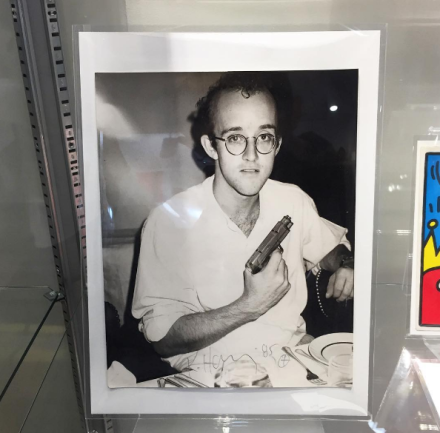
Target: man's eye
[
  {"x": 265, "y": 137},
  {"x": 233, "y": 138}
]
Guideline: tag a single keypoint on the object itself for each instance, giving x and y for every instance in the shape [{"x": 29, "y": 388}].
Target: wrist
[
  {"x": 246, "y": 308},
  {"x": 347, "y": 262}
]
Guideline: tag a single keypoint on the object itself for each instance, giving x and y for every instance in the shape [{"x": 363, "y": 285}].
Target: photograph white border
[
  {"x": 422, "y": 147},
  {"x": 124, "y": 52}
]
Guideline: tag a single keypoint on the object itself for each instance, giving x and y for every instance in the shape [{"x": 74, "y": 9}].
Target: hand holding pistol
[{"x": 272, "y": 241}]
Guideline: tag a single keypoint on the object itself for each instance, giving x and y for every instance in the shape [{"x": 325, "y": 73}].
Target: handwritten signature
[
  {"x": 216, "y": 361},
  {"x": 282, "y": 361}
]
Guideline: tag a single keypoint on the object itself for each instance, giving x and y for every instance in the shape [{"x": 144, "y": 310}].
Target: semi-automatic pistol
[{"x": 272, "y": 241}]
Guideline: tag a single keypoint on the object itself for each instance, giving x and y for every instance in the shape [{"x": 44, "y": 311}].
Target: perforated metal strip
[
  {"x": 65, "y": 112},
  {"x": 31, "y": 84}
]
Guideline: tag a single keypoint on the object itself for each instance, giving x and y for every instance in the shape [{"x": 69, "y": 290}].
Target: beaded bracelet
[{"x": 317, "y": 293}]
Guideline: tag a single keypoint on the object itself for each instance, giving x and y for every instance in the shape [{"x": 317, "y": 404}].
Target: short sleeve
[
  {"x": 320, "y": 235},
  {"x": 163, "y": 291}
]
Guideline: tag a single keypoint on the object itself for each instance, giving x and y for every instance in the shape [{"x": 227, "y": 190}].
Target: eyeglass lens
[{"x": 236, "y": 144}]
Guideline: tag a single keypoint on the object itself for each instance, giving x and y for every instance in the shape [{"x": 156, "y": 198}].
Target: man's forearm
[
  {"x": 333, "y": 260},
  {"x": 199, "y": 330}
]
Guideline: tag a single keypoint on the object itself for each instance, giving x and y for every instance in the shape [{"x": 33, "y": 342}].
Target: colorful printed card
[{"x": 425, "y": 300}]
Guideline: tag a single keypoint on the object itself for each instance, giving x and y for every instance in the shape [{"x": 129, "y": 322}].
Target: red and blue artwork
[{"x": 430, "y": 265}]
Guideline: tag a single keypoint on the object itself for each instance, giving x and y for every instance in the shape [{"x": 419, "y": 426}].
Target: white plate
[{"x": 326, "y": 346}]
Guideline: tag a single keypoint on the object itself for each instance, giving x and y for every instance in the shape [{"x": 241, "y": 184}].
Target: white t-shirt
[{"x": 192, "y": 260}]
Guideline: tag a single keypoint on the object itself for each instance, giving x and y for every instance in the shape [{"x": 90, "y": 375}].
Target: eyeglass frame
[{"x": 247, "y": 142}]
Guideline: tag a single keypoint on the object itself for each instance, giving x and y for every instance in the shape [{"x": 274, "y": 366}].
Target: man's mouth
[{"x": 250, "y": 170}]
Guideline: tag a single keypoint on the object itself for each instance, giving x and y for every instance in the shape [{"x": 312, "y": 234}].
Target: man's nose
[{"x": 251, "y": 154}]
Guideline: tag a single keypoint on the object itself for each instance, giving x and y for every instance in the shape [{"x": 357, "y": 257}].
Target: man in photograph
[{"x": 198, "y": 305}]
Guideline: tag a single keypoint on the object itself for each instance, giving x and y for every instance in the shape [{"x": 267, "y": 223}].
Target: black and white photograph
[
  {"x": 223, "y": 223},
  {"x": 227, "y": 208}
]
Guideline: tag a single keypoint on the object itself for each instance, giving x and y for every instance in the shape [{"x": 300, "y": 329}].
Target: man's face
[{"x": 234, "y": 114}]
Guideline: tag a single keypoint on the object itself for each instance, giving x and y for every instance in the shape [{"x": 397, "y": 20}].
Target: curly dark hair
[{"x": 248, "y": 83}]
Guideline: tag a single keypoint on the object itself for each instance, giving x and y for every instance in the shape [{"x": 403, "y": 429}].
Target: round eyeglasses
[{"x": 236, "y": 144}]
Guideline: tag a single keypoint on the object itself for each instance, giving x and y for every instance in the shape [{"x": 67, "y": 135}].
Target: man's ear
[
  {"x": 209, "y": 148},
  {"x": 280, "y": 140}
]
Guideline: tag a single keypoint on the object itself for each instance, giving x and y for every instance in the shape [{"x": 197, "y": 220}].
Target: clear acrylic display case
[{"x": 408, "y": 109}]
